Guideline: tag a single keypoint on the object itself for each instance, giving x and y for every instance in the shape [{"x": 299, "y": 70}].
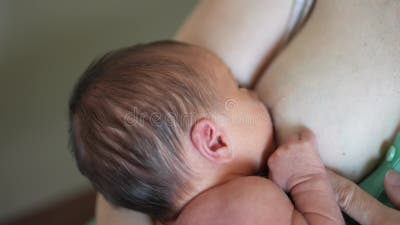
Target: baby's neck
[
  {"x": 204, "y": 185},
  {"x": 202, "y": 196},
  {"x": 207, "y": 176}
]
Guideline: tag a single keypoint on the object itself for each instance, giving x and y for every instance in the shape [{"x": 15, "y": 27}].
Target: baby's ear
[{"x": 210, "y": 141}]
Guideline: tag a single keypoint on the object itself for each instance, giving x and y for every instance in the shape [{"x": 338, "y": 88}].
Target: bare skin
[
  {"x": 361, "y": 206},
  {"x": 234, "y": 201},
  {"x": 258, "y": 201}
]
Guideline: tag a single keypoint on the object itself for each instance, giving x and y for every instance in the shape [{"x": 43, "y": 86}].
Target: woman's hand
[{"x": 361, "y": 206}]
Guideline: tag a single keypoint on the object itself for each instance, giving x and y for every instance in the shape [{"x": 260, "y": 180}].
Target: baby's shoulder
[{"x": 244, "y": 200}]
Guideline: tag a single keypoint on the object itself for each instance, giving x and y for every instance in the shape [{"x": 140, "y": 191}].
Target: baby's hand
[{"x": 296, "y": 161}]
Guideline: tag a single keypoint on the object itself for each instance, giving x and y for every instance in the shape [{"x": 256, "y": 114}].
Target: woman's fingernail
[{"x": 393, "y": 178}]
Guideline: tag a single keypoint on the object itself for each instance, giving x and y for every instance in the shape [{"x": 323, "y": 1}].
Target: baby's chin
[
  {"x": 258, "y": 167},
  {"x": 263, "y": 166},
  {"x": 262, "y": 169}
]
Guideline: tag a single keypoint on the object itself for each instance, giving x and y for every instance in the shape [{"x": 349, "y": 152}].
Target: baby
[{"x": 163, "y": 128}]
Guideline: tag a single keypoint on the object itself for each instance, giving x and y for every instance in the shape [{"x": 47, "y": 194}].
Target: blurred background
[{"x": 44, "y": 47}]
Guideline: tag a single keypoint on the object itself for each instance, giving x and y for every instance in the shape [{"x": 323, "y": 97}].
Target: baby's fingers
[
  {"x": 293, "y": 138},
  {"x": 307, "y": 135}
]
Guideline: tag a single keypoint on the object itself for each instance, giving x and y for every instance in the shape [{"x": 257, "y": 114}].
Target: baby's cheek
[
  {"x": 263, "y": 121},
  {"x": 267, "y": 137}
]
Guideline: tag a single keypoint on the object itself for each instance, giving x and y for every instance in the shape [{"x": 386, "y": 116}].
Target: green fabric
[{"x": 91, "y": 222}]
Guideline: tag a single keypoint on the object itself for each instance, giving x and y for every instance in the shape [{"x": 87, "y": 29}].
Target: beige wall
[{"x": 44, "y": 46}]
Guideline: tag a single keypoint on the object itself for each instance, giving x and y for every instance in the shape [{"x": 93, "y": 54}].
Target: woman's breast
[{"x": 340, "y": 77}]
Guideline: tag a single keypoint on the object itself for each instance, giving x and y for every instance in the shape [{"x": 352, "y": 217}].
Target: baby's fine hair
[{"x": 128, "y": 115}]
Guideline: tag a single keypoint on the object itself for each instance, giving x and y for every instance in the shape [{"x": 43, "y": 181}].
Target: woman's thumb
[
  {"x": 392, "y": 187},
  {"x": 355, "y": 202}
]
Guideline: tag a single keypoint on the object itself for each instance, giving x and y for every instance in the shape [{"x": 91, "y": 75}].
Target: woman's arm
[{"x": 243, "y": 33}]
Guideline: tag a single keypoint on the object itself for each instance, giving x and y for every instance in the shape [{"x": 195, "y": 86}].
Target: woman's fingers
[
  {"x": 392, "y": 187},
  {"x": 358, "y": 204}
]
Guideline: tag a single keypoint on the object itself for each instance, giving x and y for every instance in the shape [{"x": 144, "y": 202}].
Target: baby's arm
[{"x": 297, "y": 168}]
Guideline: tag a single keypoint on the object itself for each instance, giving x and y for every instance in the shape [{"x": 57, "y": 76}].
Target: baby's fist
[{"x": 296, "y": 161}]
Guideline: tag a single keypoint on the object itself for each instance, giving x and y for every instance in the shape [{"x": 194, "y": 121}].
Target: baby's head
[{"x": 153, "y": 124}]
